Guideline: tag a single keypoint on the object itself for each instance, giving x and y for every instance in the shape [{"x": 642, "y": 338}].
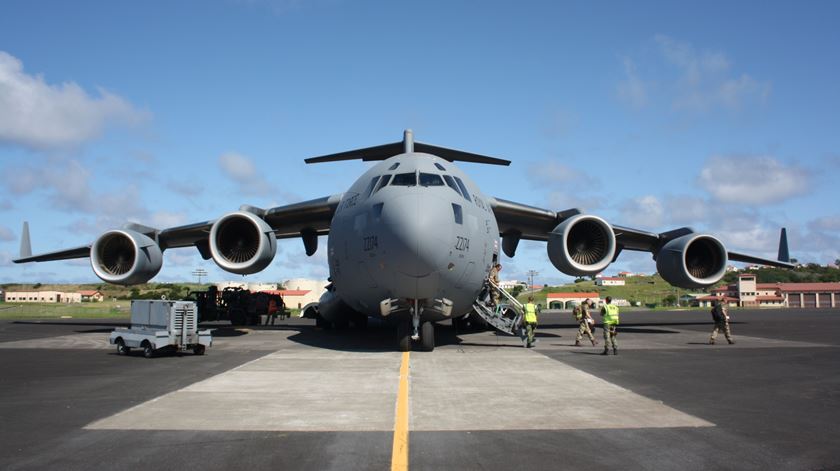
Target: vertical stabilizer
[
  {"x": 408, "y": 141},
  {"x": 25, "y": 244},
  {"x": 784, "y": 255}
]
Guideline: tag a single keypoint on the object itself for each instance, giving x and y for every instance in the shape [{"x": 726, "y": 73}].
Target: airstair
[{"x": 506, "y": 316}]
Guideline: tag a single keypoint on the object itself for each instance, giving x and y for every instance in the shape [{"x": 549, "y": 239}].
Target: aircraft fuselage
[{"x": 413, "y": 227}]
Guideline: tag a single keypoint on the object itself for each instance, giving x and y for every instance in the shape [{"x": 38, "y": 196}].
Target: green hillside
[{"x": 647, "y": 290}]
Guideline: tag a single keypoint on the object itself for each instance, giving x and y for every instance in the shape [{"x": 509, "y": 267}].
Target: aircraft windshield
[
  {"x": 372, "y": 185},
  {"x": 383, "y": 182},
  {"x": 430, "y": 179},
  {"x": 463, "y": 188},
  {"x": 405, "y": 179},
  {"x": 451, "y": 183}
]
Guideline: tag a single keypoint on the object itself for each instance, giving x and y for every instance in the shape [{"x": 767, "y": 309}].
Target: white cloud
[
  {"x": 38, "y": 115},
  {"x": 683, "y": 210},
  {"x": 689, "y": 79},
  {"x": 6, "y": 234},
  {"x": 752, "y": 179},
  {"x": 705, "y": 78},
  {"x": 242, "y": 171},
  {"x": 67, "y": 184},
  {"x": 644, "y": 211},
  {"x": 552, "y": 173},
  {"x": 827, "y": 223},
  {"x": 632, "y": 89},
  {"x": 165, "y": 219}
]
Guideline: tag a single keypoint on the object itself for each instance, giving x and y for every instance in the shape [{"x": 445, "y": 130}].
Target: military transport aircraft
[{"x": 411, "y": 240}]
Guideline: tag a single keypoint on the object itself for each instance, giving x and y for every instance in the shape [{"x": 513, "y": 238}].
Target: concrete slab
[
  {"x": 290, "y": 390},
  {"x": 512, "y": 389}
]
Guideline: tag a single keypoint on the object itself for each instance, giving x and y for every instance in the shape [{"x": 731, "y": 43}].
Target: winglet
[
  {"x": 25, "y": 243},
  {"x": 784, "y": 254}
]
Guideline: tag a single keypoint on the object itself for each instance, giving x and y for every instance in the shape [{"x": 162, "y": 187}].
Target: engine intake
[
  {"x": 692, "y": 261},
  {"x": 242, "y": 243},
  {"x": 581, "y": 245},
  {"x": 125, "y": 257}
]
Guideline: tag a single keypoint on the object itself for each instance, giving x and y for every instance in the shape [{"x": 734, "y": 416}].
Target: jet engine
[
  {"x": 242, "y": 243},
  {"x": 581, "y": 245},
  {"x": 692, "y": 261},
  {"x": 125, "y": 257}
]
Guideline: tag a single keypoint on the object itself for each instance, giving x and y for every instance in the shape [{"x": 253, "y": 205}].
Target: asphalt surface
[{"x": 771, "y": 401}]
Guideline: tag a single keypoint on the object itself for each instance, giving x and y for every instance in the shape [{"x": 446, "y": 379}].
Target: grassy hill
[{"x": 648, "y": 290}]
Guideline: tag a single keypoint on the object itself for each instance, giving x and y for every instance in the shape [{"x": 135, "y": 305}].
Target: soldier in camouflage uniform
[
  {"x": 582, "y": 316},
  {"x": 494, "y": 277},
  {"x": 720, "y": 314}
]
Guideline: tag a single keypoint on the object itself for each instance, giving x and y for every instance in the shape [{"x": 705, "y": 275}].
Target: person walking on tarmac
[
  {"x": 530, "y": 321},
  {"x": 720, "y": 314},
  {"x": 609, "y": 312},
  {"x": 582, "y": 316},
  {"x": 494, "y": 288}
]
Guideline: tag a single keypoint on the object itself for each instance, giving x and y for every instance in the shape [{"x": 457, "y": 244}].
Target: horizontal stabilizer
[{"x": 389, "y": 150}]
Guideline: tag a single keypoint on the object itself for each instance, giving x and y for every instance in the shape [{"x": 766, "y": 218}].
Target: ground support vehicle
[{"x": 162, "y": 325}]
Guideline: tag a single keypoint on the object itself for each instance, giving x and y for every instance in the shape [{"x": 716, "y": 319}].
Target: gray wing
[
  {"x": 311, "y": 217},
  {"x": 519, "y": 221}
]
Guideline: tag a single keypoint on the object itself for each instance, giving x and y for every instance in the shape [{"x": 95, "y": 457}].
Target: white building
[
  {"x": 610, "y": 281},
  {"x": 42, "y": 297},
  {"x": 301, "y": 291}
]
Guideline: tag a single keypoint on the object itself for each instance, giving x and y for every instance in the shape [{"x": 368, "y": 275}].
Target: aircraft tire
[
  {"x": 427, "y": 336},
  {"x": 404, "y": 336}
]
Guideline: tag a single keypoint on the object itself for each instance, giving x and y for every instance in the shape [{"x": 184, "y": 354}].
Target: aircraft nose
[{"x": 416, "y": 230}]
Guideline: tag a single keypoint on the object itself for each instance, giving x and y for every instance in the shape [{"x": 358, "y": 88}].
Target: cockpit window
[
  {"x": 463, "y": 189},
  {"x": 439, "y": 166},
  {"x": 430, "y": 179},
  {"x": 383, "y": 182},
  {"x": 372, "y": 185},
  {"x": 394, "y": 167},
  {"x": 451, "y": 183},
  {"x": 405, "y": 179}
]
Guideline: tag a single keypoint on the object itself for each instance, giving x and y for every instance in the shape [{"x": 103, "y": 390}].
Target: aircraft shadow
[{"x": 376, "y": 337}]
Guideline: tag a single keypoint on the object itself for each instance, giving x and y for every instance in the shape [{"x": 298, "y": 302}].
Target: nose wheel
[{"x": 412, "y": 330}]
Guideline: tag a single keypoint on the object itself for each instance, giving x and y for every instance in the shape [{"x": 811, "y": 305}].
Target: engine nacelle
[
  {"x": 125, "y": 257},
  {"x": 692, "y": 261},
  {"x": 242, "y": 243},
  {"x": 581, "y": 245}
]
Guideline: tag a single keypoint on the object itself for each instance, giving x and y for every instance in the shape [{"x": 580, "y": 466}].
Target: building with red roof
[
  {"x": 569, "y": 300},
  {"x": 749, "y": 293}
]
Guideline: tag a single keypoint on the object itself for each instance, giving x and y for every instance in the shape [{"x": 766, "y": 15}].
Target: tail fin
[
  {"x": 784, "y": 255},
  {"x": 25, "y": 244}
]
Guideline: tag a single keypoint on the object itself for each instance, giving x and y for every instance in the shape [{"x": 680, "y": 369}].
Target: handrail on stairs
[{"x": 519, "y": 307}]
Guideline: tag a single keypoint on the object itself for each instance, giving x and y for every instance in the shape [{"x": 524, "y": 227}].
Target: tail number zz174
[{"x": 462, "y": 243}]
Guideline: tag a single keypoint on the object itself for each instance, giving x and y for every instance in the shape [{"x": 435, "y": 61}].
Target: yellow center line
[{"x": 399, "y": 455}]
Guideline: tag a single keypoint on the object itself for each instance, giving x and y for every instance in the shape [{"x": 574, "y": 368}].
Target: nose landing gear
[{"x": 413, "y": 330}]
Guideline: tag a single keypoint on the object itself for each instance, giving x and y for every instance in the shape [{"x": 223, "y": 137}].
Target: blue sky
[{"x": 654, "y": 115}]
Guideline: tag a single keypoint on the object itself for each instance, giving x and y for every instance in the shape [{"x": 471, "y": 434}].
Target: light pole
[
  {"x": 199, "y": 272},
  {"x": 531, "y": 275}
]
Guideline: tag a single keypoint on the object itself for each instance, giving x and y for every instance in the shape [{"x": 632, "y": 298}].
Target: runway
[{"x": 296, "y": 397}]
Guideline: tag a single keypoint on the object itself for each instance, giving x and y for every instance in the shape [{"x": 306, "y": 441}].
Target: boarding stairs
[{"x": 506, "y": 316}]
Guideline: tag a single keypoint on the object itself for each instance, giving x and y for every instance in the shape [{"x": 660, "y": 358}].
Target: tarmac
[{"x": 295, "y": 397}]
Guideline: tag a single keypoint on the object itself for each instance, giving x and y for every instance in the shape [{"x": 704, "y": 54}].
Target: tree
[{"x": 670, "y": 300}]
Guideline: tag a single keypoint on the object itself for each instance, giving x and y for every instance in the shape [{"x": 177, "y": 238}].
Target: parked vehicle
[{"x": 162, "y": 325}]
